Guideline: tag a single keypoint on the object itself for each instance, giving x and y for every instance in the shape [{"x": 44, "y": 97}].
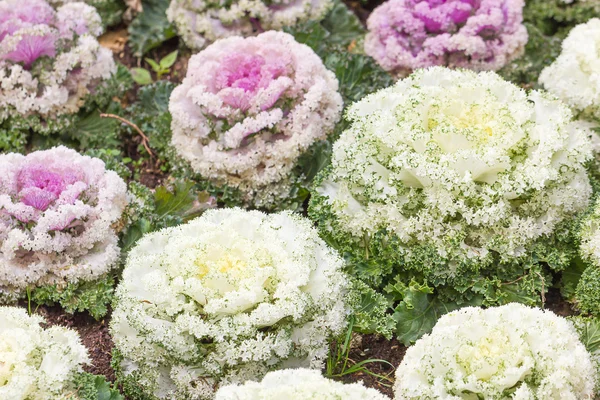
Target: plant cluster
[
  {"x": 297, "y": 384},
  {"x": 575, "y": 75},
  {"x": 483, "y": 35},
  {"x": 111, "y": 11},
  {"x": 225, "y": 298},
  {"x": 202, "y": 22},
  {"x": 58, "y": 213},
  {"x": 248, "y": 109},
  {"x": 511, "y": 351},
  {"x": 457, "y": 181}
]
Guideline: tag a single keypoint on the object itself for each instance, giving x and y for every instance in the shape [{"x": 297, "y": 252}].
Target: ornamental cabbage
[
  {"x": 575, "y": 75},
  {"x": 223, "y": 299},
  {"x": 297, "y": 384},
  {"x": 58, "y": 211},
  {"x": 37, "y": 363},
  {"x": 482, "y": 35},
  {"x": 458, "y": 179},
  {"x": 50, "y": 62},
  {"x": 508, "y": 352},
  {"x": 249, "y": 108},
  {"x": 200, "y": 22}
]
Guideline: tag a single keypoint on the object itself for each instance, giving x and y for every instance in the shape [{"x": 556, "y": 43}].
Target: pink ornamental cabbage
[
  {"x": 57, "y": 211},
  {"x": 74, "y": 62},
  {"x": 248, "y": 108},
  {"x": 200, "y": 22},
  {"x": 475, "y": 34}
]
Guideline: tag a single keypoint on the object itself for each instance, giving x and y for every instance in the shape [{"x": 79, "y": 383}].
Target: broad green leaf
[
  {"x": 175, "y": 201},
  {"x": 134, "y": 233},
  {"x": 141, "y": 76},
  {"x": 343, "y": 25},
  {"x": 94, "y": 131},
  {"x": 151, "y": 27},
  {"x": 418, "y": 312},
  {"x": 105, "y": 391},
  {"x": 167, "y": 61},
  {"x": 589, "y": 332},
  {"x": 153, "y": 64},
  {"x": 570, "y": 279}
]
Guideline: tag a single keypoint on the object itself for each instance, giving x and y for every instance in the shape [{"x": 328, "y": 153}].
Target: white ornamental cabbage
[
  {"x": 467, "y": 165},
  {"x": 225, "y": 298},
  {"x": 297, "y": 384},
  {"x": 249, "y": 108},
  {"x": 575, "y": 75},
  {"x": 57, "y": 215},
  {"x": 200, "y": 22},
  {"x": 37, "y": 363},
  {"x": 508, "y": 352}
]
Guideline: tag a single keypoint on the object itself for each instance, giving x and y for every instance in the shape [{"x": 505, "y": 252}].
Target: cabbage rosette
[
  {"x": 574, "y": 77},
  {"x": 201, "y": 22},
  {"x": 37, "y": 363},
  {"x": 459, "y": 180},
  {"x": 249, "y": 108},
  {"x": 51, "y": 63},
  {"x": 297, "y": 384},
  {"x": 508, "y": 352},
  {"x": 58, "y": 211},
  {"x": 482, "y": 35},
  {"x": 223, "y": 299}
]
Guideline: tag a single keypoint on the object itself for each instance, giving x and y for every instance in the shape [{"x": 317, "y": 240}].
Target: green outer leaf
[
  {"x": 418, "y": 312},
  {"x": 343, "y": 25},
  {"x": 94, "y": 131},
  {"x": 175, "y": 201},
  {"x": 153, "y": 64},
  {"x": 141, "y": 75},
  {"x": 134, "y": 233},
  {"x": 95, "y": 387},
  {"x": 151, "y": 27},
  {"x": 167, "y": 61}
]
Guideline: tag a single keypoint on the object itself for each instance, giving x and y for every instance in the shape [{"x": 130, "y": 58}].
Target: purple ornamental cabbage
[
  {"x": 475, "y": 34},
  {"x": 50, "y": 60},
  {"x": 58, "y": 212}
]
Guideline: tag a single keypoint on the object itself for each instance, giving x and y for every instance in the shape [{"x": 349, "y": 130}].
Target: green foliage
[
  {"x": 84, "y": 130},
  {"x": 556, "y": 17},
  {"x": 13, "y": 138},
  {"x": 570, "y": 279},
  {"x": 151, "y": 27},
  {"x": 129, "y": 382},
  {"x": 112, "y": 160},
  {"x": 589, "y": 333},
  {"x": 331, "y": 39},
  {"x": 151, "y": 114},
  {"x": 143, "y": 77},
  {"x": 418, "y": 310},
  {"x": 168, "y": 206},
  {"x": 90, "y": 296},
  {"x": 369, "y": 310},
  {"x": 588, "y": 291},
  {"x": 95, "y": 387},
  {"x": 540, "y": 51},
  {"x": 415, "y": 288}
]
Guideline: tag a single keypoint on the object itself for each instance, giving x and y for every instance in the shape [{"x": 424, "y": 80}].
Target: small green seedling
[{"x": 143, "y": 77}]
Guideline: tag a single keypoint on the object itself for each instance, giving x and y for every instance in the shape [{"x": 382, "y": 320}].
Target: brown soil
[{"x": 94, "y": 335}]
